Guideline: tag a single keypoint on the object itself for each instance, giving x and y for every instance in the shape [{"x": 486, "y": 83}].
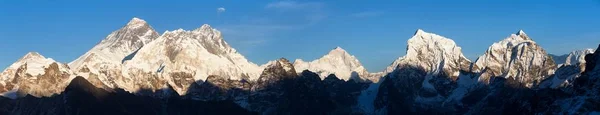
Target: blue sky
[{"x": 374, "y": 31}]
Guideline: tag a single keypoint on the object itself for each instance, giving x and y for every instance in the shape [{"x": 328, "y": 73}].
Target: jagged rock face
[
  {"x": 577, "y": 57},
  {"x": 276, "y": 71},
  {"x": 198, "y": 54},
  {"x": 426, "y": 78},
  {"x": 573, "y": 58},
  {"x": 568, "y": 70},
  {"x": 104, "y": 61},
  {"x": 516, "y": 57},
  {"x": 306, "y": 93},
  {"x": 433, "y": 53},
  {"x": 35, "y": 75},
  {"x": 580, "y": 96},
  {"x": 338, "y": 62}
]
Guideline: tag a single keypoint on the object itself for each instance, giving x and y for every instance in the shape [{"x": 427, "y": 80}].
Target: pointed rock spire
[
  {"x": 419, "y": 32},
  {"x": 522, "y": 35},
  {"x": 338, "y": 51},
  {"x": 136, "y": 22},
  {"x": 33, "y": 55}
]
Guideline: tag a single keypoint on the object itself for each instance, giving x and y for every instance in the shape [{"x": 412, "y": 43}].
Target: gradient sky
[{"x": 374, "y": 31}]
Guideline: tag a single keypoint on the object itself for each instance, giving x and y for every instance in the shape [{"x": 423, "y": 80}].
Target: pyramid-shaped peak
[
  {"x": 31, "y": 55},
  {"x": 419, "y": 32},
  {"x": 338, "y": 48},
  {"x": 204, "y": 28},
  {"x": 523, "y": 35},
  {"x": 521, "y": 32},
  {"x": 283, "y": 60},
  {"x": 337, "y": 51},
  {"x": 136, "y": 21}
]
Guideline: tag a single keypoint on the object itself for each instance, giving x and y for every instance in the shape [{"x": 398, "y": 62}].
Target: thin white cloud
[
  {"x": 366, "y": 14},
  {"x": 220, "y": 9}
]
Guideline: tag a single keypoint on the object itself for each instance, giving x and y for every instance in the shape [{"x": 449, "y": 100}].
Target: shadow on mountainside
[
  {"x": 404, "y": 92},
  {"x": 291, "y": 94},
  {"x": 299, "y": 94},
  {"x": 81, "y": 97}
]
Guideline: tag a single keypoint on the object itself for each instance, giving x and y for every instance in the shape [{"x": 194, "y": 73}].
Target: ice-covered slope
[
  {"x": 183, "y": 57},
  {"x": 338, "y": 62},
  {"x": 104, "y": 61},
  {"x": 516, "y": 57},
  {"x": 36, "y": 75}
]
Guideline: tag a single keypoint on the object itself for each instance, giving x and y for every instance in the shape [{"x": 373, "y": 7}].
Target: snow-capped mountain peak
[
  {"x": 522, "y": 34},
  {"x": 420, "y": 31},
  {"x": 205, "y": 28},
  {"x": 578, "y": 56},
  {"x": 34, "y": 61},
  {"x": 106, "y": 59},
  {"x": 119, "y": 44},
  {"x": 338, "y": 52},
  {"x": 36, "y": 75},
  {"x": 32, "y": 55},
  {"x": 433, "y": 53},
  {"x": 136, "y": 23},
  {"x": 183, "y": 57},
  {"x": 517, "y": 57},
  {"x": 338, "y": 62}
]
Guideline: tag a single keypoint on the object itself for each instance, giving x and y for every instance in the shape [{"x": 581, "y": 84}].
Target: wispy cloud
[
  {"x": 220, "y": 9},
  {"x": 366, "y": 14}
]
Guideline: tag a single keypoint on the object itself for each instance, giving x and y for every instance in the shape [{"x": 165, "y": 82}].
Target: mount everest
[{"x": 136, "y": 65}]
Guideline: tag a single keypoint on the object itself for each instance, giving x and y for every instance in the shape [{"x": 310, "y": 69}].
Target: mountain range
[{"x": 136, "y": 70}]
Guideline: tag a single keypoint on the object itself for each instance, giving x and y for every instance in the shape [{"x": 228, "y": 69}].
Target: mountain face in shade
[
  {"x": 82, "y": 97},
  {"x": 104, "y": 61},
  {"x": 338, "y": 62},
  {"x": 426, "y": 77},
  {"x": 35, "y": 75},
  {"x": 517, "y": 57}
]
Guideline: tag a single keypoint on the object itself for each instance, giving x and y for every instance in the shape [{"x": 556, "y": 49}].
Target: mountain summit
[
  {"x": 338, "y": 62},
  {"x": 517, "y": 57},
  {"x": 35, "y": 75},
  {"x": 433, "y": 53},
  {"x": 183, "y": 57},
  {"x": 104, "y": 60}
]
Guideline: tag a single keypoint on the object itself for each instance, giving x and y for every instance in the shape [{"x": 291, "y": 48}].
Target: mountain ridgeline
[{"x": 136, "y": 70}]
